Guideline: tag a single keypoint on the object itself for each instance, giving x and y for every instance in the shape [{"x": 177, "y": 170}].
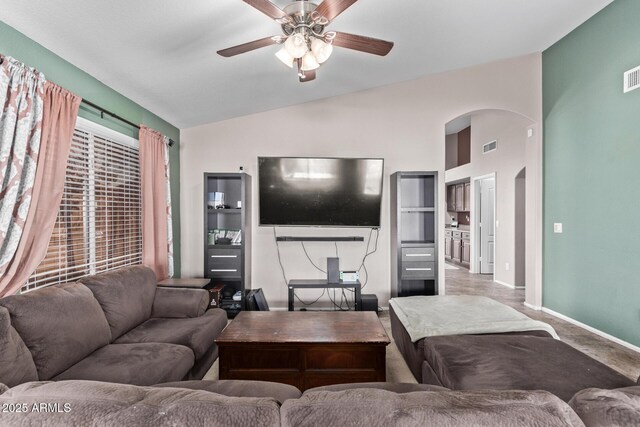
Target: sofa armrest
[{"x": 177, "y": 302}]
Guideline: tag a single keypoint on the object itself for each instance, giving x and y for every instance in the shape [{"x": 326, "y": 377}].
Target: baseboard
[
  {"x": 591, "y": 329},
  {"x": 533, "y": 307},
  {"x": 385, "y": 308},
  {"x": 504, "y": 284}
]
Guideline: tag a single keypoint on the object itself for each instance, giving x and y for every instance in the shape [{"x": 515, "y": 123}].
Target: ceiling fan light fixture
[
  {"x": 296, "y": 45},
  {"x": 321, "y": 50},
  {"x": 309, "y": 62},
  {"x": 284, "y": 56},
  {"x": 305, "y": 42}
]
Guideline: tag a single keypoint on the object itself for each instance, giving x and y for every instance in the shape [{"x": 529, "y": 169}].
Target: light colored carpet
[{"x": 397, "y": 369}]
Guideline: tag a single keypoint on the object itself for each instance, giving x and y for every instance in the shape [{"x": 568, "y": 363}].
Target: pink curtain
[
  {"x": 58, "y": 122},
  {"x": 155, "y": 253}
]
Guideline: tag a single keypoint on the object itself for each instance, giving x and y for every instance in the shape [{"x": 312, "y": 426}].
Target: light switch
[
  {"x": 529, "y": 132},
  {"x": 557, "y": 227}
]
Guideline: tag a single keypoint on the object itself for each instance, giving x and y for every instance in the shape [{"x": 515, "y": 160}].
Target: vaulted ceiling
[{"x": 162, "y": 53}]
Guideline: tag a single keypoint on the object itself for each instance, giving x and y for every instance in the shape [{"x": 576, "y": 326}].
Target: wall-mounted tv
[{"x": 329, "y": 192}]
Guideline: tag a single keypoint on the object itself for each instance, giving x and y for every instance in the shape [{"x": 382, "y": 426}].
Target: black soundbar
[{"x": 319, "y": 239}]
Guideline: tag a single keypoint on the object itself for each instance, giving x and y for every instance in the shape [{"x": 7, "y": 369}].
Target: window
[{"x": 99, "y": 223}]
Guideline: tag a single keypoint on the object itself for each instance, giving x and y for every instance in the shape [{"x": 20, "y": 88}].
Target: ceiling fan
[{"x": 305, "y": 42}]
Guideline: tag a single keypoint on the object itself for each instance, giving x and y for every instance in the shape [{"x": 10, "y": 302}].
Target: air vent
[
  {"x": 490, "y": 146},
  {"x": 632, "y": 80}
]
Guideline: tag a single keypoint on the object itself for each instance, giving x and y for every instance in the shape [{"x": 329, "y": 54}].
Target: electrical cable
[
  {"x": 310, "y": 303},
  {"x": 309, "y": 258},
  {"x": 343, "y": 294},
  {"x": 367, "y": 253},
  {"x": 343, "y": 298},
  {"x": 284, "y": 276},
  {"x": 275, "y": 239}
]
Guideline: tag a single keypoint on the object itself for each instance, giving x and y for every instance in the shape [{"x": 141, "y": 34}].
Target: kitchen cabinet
[
  {"x": 466, "y": 253},
  {"x": 447, "y": 244},
  {"x": 451, "y": 198},
  {"x": 459, "y": 197},
  {"x": 458, "y": 247},
  {"x": 456, "y": 252},
  {"x": 467, "y": 197}
]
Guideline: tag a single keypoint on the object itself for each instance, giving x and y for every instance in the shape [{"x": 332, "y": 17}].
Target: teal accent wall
[
  {"x": 591, "y": 173},
  {"x": 57, "y": 70}
]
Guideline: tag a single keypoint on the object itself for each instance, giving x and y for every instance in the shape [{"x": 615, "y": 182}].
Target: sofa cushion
[
  {"x": 374, "y": 407},
  {"x": 597, "y": 407},
  {"x": 241, "y": 388},
  {"x": 139, "y": 364},
  {"x": 179, "y": 302},
  {"x": 394, "y": 387},
  {"x": 16, "y": 363},
  {"x": 516, "y": 362},
  {"x": 126, "y": 296},
  {"x": 103, "y": 404},
  {"x": 197, "y": 333},
  {"x": 60, "y": 325}
]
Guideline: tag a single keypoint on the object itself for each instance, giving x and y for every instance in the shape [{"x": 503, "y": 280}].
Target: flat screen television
[{"x": 324, "y": 192}]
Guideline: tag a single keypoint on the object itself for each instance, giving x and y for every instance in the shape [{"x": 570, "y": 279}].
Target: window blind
[{"x": 99, "y": 223}]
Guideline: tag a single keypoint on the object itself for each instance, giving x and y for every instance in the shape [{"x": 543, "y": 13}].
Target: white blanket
[{"x": 429, "y": 316}]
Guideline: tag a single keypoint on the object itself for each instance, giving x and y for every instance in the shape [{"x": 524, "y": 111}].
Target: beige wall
[
  {"x": 510, "y": 130},
  {"x": 403, "y": 123}
]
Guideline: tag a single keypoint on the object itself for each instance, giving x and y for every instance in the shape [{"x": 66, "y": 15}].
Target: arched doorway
[{"x": 504, "y": 145}]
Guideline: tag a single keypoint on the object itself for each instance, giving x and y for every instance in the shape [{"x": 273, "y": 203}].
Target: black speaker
[
  {"x": 369, "y": 302},
  {"x": 333, "y": 270}
]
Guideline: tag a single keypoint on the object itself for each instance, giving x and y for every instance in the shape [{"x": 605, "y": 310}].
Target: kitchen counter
[{"x": 457, "y": 229}]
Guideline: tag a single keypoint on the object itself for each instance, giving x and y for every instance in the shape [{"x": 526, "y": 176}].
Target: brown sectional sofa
[
  {"x": 115, "y": 327},
  {"x": 119, "y": 327},
  {"x": 530, "y": 360},
  {"x": 514, "y": 362},
  {"x": 254, "y": 403}
]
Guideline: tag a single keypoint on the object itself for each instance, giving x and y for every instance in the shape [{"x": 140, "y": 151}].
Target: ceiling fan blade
[
  {"x": 362, "y": 43},
  {"x": 246, "y": 47},
  {"x": 268, "y": 8},
  {"x": 332, "y": 8},
  {"x": 308, "y": 76}
]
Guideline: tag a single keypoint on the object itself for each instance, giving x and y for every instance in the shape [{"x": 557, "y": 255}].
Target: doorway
[
  {"x": 485, "y": 224},
  {"x": 511, "y": 257},
  {"x": 520, "y": 258}
]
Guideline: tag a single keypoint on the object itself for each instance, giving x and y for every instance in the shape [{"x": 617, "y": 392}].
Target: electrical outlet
[
  {"x": 506, "y": 266},
  {"x": 557, "y": 227}
]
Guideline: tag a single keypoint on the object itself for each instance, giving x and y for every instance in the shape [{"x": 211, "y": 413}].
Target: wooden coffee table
[{"x": 304, "y": 349}]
